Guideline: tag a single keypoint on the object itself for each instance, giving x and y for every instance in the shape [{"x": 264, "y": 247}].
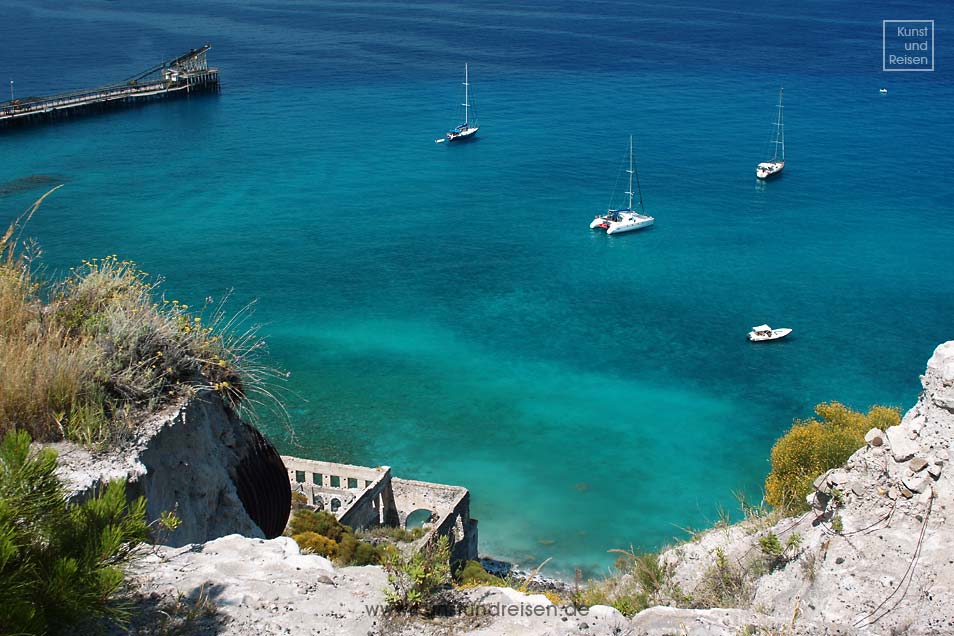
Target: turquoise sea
[{"x": 445, "y": 310}]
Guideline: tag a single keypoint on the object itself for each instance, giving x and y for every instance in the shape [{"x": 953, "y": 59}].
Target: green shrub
[
  {"x": 321, "y": 533},
  {"x": 316, "y": 544},
  {"x": 473, "y": 574},
  {"x": 814, "y": 446},
  {"x": 414, "y": 581},
  {"x": 321, "y": 522},
  {"x": 60, "y": 565},
  {"x": 366, "y": 554}
]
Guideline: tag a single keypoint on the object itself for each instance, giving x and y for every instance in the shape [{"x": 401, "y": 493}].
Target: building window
[
  {"x": 366, "y": 483},
  {"x": 300, "y": 476},
  {"x": 335, "y": 481},
  {"x": 316, "y": 479},
  {"x": 352, "y": 482}
]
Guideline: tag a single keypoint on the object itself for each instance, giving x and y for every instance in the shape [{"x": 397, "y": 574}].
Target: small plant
[
  {"x": 794, "y": 542},
  {"x": 809, "y": 566},
  {"x": 414, "y": 581},
  {"x": 724, "y": 584},
  {"x": 779, "y": 555},
  {"x": 838, "y": 497},
  {"x": 771, "y": 546},
  {"x": 836, "y": 525}
]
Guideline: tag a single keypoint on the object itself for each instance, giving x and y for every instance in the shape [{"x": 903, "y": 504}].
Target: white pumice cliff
[
  {"x": 195, "y": 457},
  {"x": 887, "y": 570}
]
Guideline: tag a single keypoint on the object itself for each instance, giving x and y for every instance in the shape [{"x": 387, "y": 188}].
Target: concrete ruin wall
[
  {"x": 450, "y": 513},
  {"x": 351, "y": 493},
  {"x": 363, "y": 497}
]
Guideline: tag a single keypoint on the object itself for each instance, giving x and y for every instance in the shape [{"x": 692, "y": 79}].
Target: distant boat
[
  {"x": 771, "y": 168},
  {"x": 763, "y": 333},
  {"x": 884, "y": 91},
  {"x": 468, "y": 128},
  {"x": 625, "y": 219}
]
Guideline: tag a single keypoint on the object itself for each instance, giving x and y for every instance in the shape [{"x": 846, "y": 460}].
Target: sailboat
[
  {"x": 469, "y": 128},
  {"x": 771, "y": 168},
  {"x": 625, "y": 219}
]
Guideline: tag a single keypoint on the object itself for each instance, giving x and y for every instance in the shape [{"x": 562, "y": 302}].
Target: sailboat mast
[
  {"x": 630, "y": 171},
  {"x": 466, "y": 96},
  {"x": 639, "y": 189},
  {"x": 779, "y": 128}
]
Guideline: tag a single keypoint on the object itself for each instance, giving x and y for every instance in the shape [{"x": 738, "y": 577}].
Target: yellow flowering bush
[{"x": 814, "y": 446}]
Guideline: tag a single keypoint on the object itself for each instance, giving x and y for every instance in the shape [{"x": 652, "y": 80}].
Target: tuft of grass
[
  {"x": 85, "y": 357},
  {"x": 393, "y": 533}
]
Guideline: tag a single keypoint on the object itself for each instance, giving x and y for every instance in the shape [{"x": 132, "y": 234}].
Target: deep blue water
[{"x": 445, "y": 310}]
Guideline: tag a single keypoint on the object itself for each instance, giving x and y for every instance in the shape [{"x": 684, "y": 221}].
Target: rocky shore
[{"x": 873, "y": 558}]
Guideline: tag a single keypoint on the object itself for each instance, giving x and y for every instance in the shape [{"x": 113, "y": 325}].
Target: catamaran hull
[{"x": 619, "y": 228}]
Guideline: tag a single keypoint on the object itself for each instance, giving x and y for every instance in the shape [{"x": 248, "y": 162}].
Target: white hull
[
  {"x": 628, "y": 222},
  {"x": 463, "y": 133},
  {"x": 637, "y": 222},
  {"x": 774, "y": 334},
  {"x": 768, "y": 169}
]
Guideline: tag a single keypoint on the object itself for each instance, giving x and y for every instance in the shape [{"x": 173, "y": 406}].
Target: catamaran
[
  {"x": 469, "y": 128},
  {"x": 771, "y": 168},
  {"x": 625, "y": 219}
]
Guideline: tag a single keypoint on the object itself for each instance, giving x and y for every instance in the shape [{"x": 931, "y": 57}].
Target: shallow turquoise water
[{"x": 446, "y": 311}]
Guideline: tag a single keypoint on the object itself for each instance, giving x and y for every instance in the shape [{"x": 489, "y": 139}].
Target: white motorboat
[
  {"x": 468, "y": 128},
  {"x": 884, "y": 91},
  {"x": 625, "y": 219},
  {"x": 764, "y": 333},
  {"x": 771, "y": 168}
]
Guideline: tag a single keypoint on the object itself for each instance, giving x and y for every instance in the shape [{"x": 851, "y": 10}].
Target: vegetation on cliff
[
  {"x": 322, "y": 534},
  {"x": 60, "y": 564},
  {"x": 811, "y": 447},
  {"x": 84, "y": 358},
  {"x": 808, "y": 449}
]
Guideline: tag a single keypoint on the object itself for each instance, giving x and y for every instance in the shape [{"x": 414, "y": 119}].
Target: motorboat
[{"x": 764, "y": 333}]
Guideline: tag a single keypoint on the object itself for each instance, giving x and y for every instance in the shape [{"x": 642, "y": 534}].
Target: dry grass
[{"x": 107, "y": 348}]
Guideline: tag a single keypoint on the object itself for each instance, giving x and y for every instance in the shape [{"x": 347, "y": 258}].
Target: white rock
[
  {"x": 916, "y": 483},
  {"x": 902, "y": 448}
]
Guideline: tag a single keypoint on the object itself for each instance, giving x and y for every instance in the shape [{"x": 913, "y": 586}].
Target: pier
[{"x": 188, "y": 73}]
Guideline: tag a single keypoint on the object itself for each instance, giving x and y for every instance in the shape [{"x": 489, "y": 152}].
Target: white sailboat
[
  {"x": 771, "y": 168},
  {"x": 468, "y": 128},
  {"x": 625, "y": 219}
]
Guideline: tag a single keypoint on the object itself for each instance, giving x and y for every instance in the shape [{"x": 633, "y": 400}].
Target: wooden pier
[{"x": 188, "y": 73}]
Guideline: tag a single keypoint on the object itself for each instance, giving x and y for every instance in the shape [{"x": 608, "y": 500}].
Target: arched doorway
[{"x": 418, "y": 518}]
